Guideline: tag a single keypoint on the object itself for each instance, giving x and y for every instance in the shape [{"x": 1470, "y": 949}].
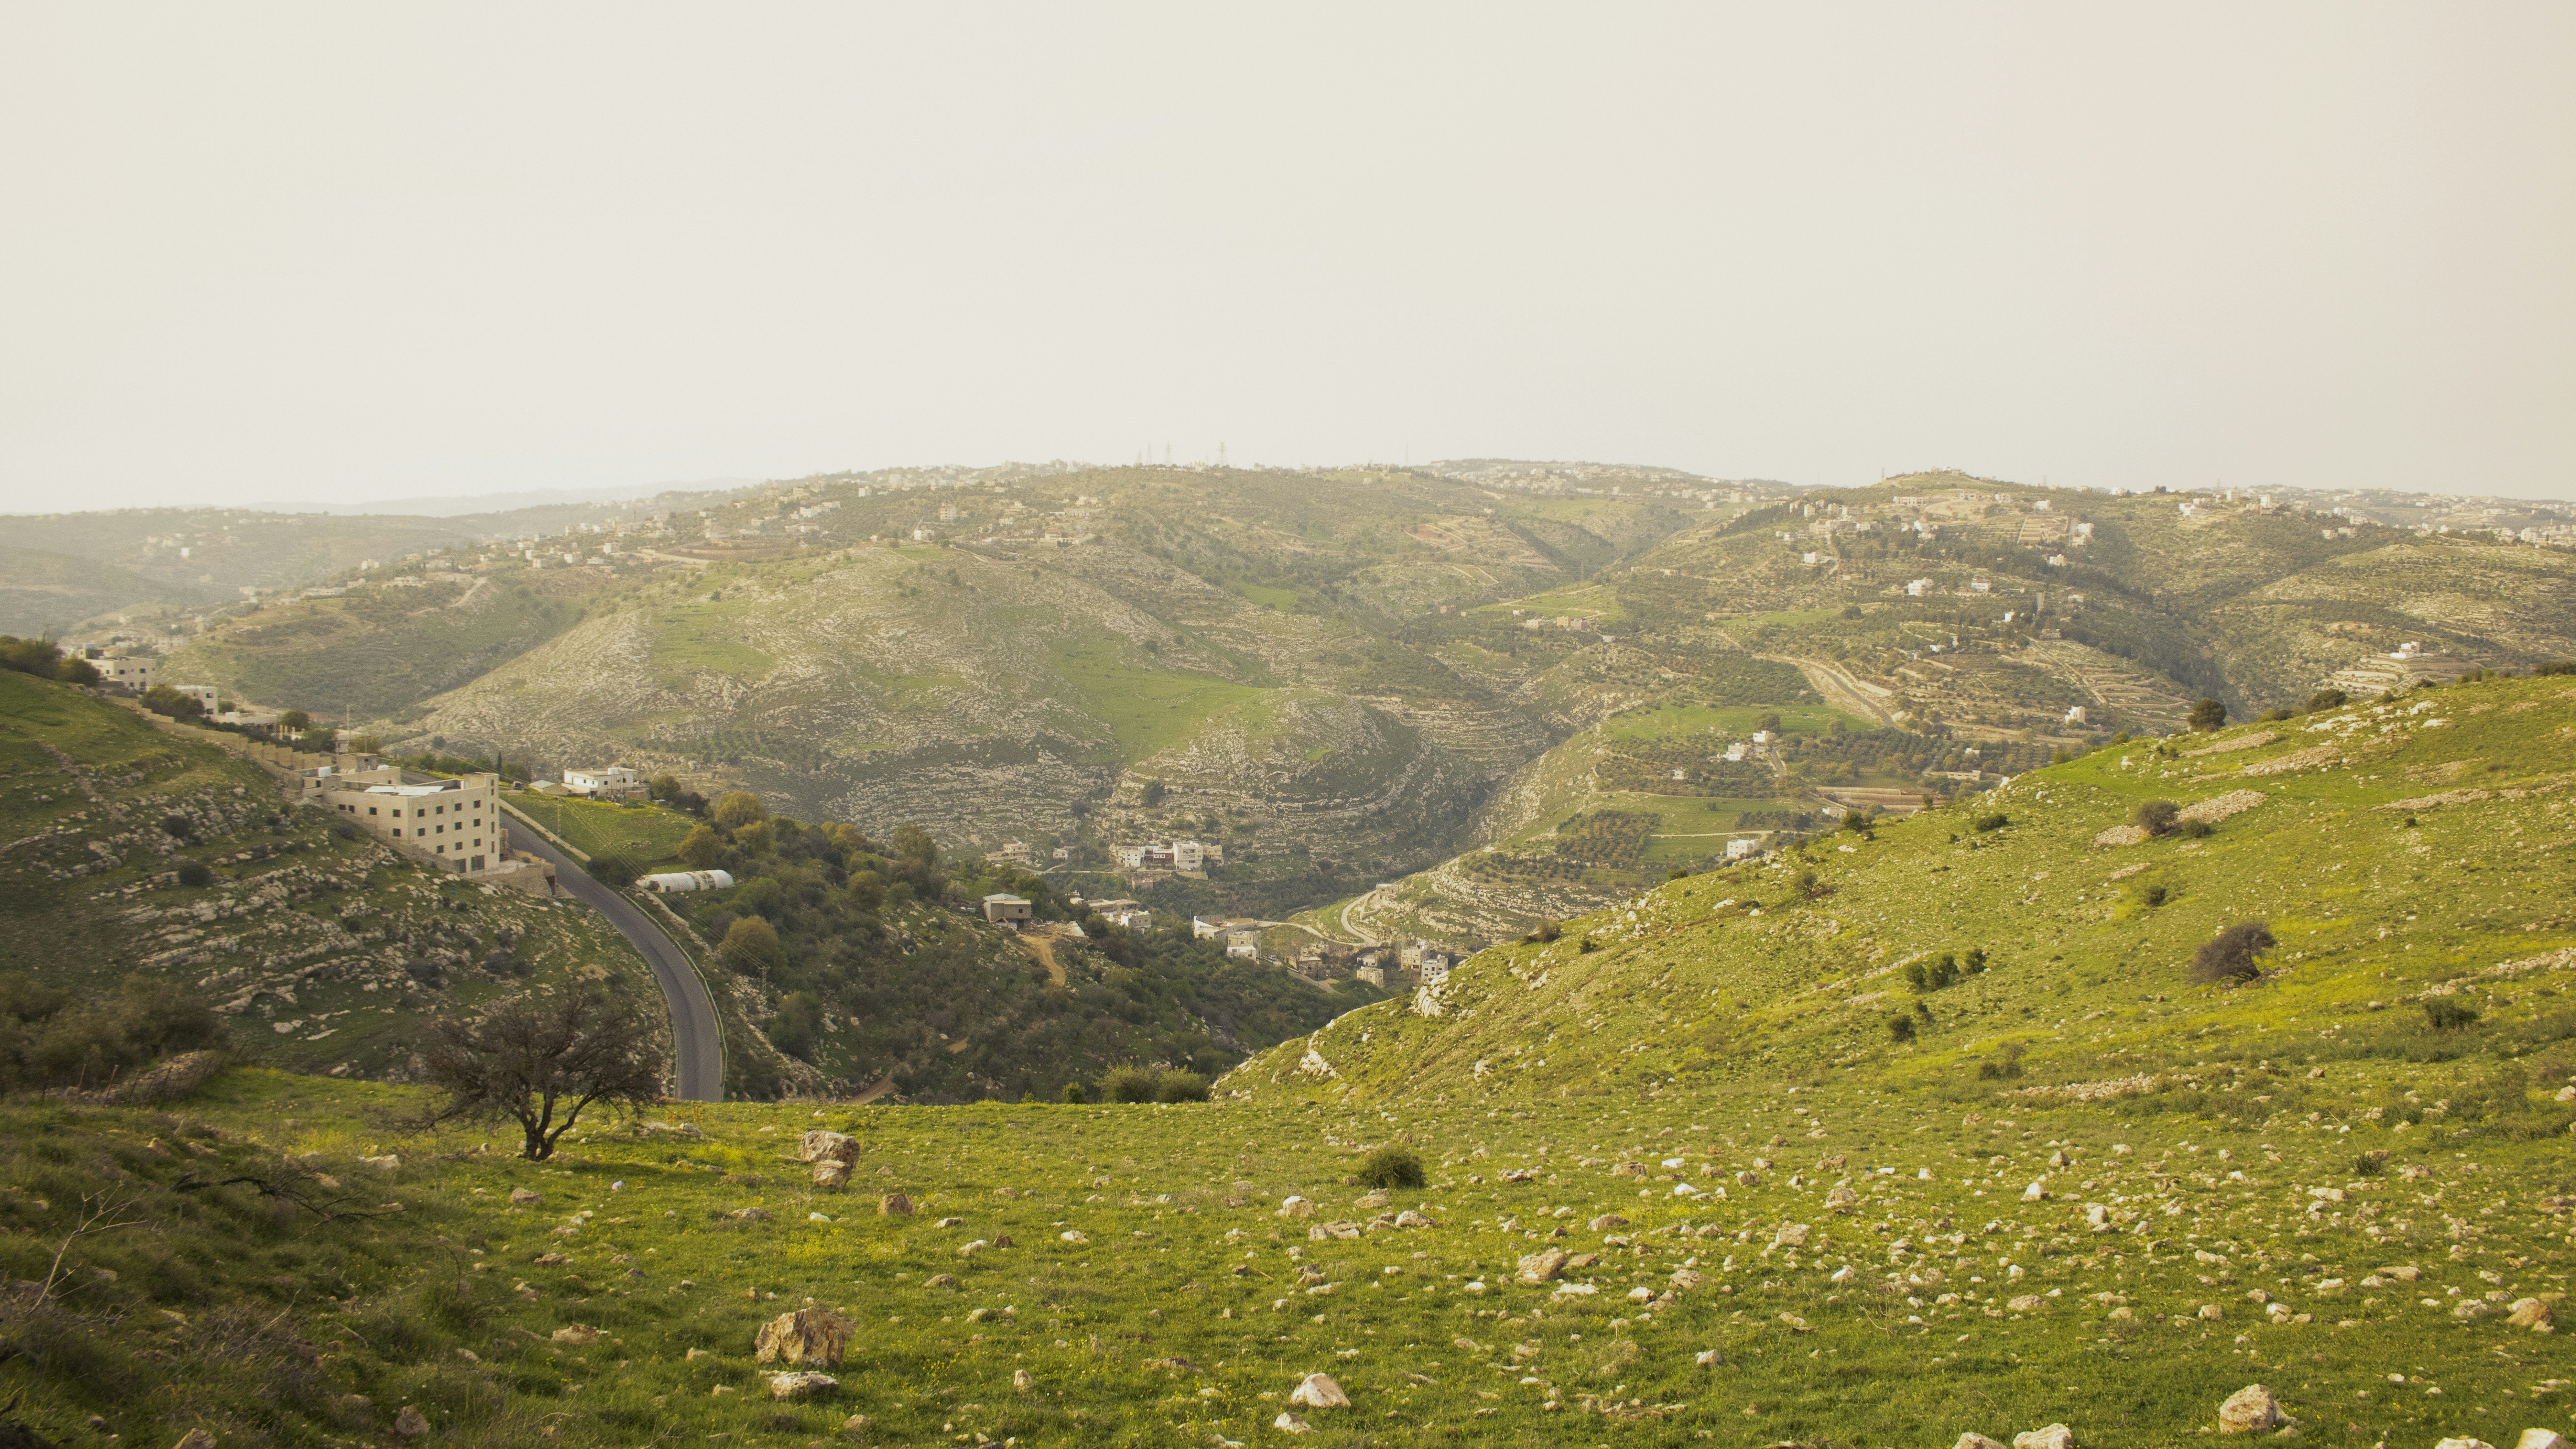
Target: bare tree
[
  {"x": 2230, "y": 955},
  {"x": 542, "y": 1061}
]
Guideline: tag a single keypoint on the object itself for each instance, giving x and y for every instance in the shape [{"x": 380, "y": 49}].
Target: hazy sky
[{"x": 259, "y": 251}]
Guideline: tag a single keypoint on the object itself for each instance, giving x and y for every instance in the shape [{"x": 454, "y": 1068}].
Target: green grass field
[
  {"x": 1150, "y": 710},
  {"x": 649, "y": 834}
]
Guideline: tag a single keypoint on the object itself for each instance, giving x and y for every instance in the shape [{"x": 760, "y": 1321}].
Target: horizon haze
[{"x": 338, "y": 258}]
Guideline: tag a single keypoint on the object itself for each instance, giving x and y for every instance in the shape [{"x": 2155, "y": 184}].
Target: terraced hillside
[
  {"x": 1347, "y": 676},
  {"x": 1690, "y": 1183}
]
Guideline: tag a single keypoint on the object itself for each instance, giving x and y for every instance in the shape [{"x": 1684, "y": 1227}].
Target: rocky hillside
[
  {"x": 1348, "y": 676},
  {"x": 324, "y": 953},
  {"x": 2408, "y": 865}
]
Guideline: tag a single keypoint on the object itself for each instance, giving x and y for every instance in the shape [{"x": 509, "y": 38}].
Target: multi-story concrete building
[{"x": 452, "y": 824}]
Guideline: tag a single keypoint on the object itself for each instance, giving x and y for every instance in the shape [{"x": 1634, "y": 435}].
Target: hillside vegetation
[
  {"x": 1680, "y": 1176},
  {"x": 1348, "y": 675}
]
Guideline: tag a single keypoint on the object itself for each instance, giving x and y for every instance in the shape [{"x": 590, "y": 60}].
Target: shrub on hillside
[
  {"x": 614, "y": 869},
  {"x": 1129, "y": 1084},
  {"x": 2232, "y": 954},
  {"x": 1992, "y": 820},
  {"x": 739, "y": 809},
  {"x": 1543, "y": 932},
  {"x": 2554, "y": 667},
  {"x": 161, "y": 699},
  {"x": 2009, "y": 1067},
  {"x": 52, "y": 1038},
  {"x": 2325, "y": 699},
  {"x": 1392, "y": 1165},
  {"x": 750, "y": 945},
  {"x": 195, "y": 875},
  {"x": 1073, "y": 1094},
  {"x": 1180, "y": 1086},
  {"x": 1901, "y": 1028},
  {"x": 44, "y": 659},
  {"x": 2206, "y": 715},
  {"x": 2443, "y": 1014},
  {"x": 2156, "y": 817}
]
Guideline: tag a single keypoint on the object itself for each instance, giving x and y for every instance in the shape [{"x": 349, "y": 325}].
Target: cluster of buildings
[{"x": 1181, "y": 857}]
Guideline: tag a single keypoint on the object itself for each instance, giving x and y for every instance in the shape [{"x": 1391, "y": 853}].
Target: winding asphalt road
[{"x": 699, "y": 1042}]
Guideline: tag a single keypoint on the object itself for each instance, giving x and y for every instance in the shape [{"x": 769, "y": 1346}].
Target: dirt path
[
  {"x": 1840, "y": 689},
  {"x": 1044, "y": 950}
]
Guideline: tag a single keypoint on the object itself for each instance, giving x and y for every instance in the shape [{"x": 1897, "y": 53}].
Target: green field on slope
[{"x": 1149, "y": 710}]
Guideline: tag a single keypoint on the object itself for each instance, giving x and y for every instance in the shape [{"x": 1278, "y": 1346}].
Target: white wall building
[{"x": 611, "y": 783}]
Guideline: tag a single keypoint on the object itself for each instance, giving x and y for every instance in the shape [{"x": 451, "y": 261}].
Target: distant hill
[
  {"x": 43, "y": 594},
  {"x": 1507, "y": 688}
]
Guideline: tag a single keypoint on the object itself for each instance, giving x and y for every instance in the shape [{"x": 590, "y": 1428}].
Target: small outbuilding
[{"x": 1004, "y": 909}]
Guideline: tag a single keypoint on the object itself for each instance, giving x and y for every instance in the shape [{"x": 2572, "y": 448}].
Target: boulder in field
[
  {"x": 894, "y": 1205},
  {"x": 1288, "y": 1423},
  {"x": 1318, "y": 1391},
  {"x": 2055, "y": 1436},
  {"x": 521, "y": 1197},
  {"x": 808, "y": 1335},
  {"x": 579, "y": 1335},
  {"x": 802, "y": 1385},
  {"x": 831, "y": 1174},
  {"x": 2250, "y": 1410},
  {"x": 821, "y": 1146},
  {"x": 2531, "y": 1313},
  {"x": 1543, "y": 1265},
  {"x": 1294, "y": 1206},
  {"x": 1976, "y": 1441}
]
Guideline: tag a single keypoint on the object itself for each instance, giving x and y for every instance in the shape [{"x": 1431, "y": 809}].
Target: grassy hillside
[
  {"x": 378, "y": 650},
  {"x": 43, "y": 594},
  {"x": 325, "y": 953},
  {"x": 1351, "y": 675}
]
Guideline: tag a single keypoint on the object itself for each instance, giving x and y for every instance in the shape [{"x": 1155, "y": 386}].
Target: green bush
[
  {"x": 614, "y": 869},
  {"x": 1180, "y": 1086},
  {"x": 194, "y": 875},
  {"x": 1073, "y": 1094},
  {"x": 1129, "y": 1084},
  {"x": 2325, "y": 699},
  {"x": 1390, "y": 1166},
  {"x": 2444, "y": 1014},
  {"x": 1994, "y": 820},
  {"x": 1901, "y": 1028},
  {"x": 1543, "y": 932},
  {"x": 2207, "y": 715},
  {"x": 50, "y": 1038},
  {"x": 2156, "y": 817}
]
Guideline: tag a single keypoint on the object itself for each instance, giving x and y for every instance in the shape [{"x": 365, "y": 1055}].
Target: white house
[
  {"x": 125, "y": 671},
  {"x": 1742, "y": 849},
  {"x": 610, "y": 783}
]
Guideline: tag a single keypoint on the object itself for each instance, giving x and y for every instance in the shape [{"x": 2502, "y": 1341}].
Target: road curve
[{"x": 697, "y": 1040}]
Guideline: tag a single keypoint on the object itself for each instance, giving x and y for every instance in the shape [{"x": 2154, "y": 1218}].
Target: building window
[{"x": 397, "y": 832}]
